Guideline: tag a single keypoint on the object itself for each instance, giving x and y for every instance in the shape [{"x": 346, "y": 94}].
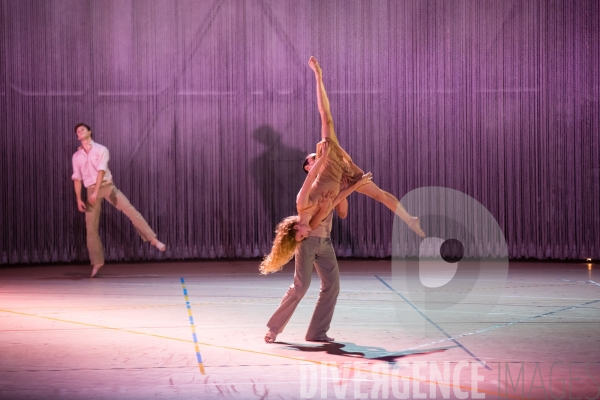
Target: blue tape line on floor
[
  {"x": 189, "y": 307},
  {"x": 434, "y": 324}
]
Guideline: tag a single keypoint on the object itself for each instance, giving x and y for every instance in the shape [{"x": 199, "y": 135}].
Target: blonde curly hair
[{"x": 284, "y": 246}]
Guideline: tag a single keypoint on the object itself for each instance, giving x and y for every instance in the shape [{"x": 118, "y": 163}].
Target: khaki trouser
[
  {"x": 317, "y": 251},
  {"x": 92, "y": 219}
]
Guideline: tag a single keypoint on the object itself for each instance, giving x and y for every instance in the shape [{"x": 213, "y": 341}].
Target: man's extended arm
[
  {"x": 342, "y": 209},
  {"x": 324, "y": 210}
]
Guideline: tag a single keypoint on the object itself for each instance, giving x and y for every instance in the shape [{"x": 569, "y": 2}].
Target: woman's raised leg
[
  {"x": 391, "y": 202},
  {"x": 327, "y": 129}
]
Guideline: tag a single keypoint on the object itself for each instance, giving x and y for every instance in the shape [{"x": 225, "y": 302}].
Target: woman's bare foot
[
  {"x": 314, "y": 65},
  {"x": 159, "y": 245},
  {"x": 415, "y": 226}
]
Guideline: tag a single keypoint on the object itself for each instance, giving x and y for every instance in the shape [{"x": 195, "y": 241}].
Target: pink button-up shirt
[{"x": 87, "y": 165}]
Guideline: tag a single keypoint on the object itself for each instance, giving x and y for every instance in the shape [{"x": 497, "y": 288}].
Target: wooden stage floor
[{"x": 127, "y": 334}]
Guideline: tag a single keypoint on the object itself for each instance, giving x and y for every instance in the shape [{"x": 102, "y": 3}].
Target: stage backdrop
[{"x": 208, "y": 109}]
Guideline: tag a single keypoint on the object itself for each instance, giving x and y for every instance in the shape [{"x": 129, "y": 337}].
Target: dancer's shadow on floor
[{"x": 348, "y": 349}]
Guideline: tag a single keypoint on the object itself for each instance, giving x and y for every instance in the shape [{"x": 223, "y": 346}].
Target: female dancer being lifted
[
  {"x": 321, "y": 190},
  {"x": 292, "y": 230}
]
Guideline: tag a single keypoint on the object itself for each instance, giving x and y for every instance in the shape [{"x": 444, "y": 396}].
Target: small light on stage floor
[{"x": 588, "y": 259}]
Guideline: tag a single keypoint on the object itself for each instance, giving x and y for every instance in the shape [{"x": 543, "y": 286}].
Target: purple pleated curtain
[{"x": 208, "y": 109}]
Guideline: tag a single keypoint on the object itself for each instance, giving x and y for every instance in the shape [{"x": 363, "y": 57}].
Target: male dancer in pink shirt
[{"x": 90, "y": 166}]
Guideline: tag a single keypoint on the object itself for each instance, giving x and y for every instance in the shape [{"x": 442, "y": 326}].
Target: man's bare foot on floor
[
  {"x": 270, "y": 337},
  {"x": 322, "y": 339},
  {"x": 95, "y": 269}
]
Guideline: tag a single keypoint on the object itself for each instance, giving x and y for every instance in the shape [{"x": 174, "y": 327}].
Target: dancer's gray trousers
[{"x": 318, "y": 252}]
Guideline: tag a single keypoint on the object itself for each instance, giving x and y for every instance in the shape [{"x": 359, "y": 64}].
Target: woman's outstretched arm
[
  {"x": 366, "y": 178},
  {"x": 302, "y": 201},
  {"x": 328, "y": 203}
]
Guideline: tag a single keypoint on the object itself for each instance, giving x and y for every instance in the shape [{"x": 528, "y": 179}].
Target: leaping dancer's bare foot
[
  {"x": 314, "y": 65},
  {"x": 415, "y": 226},
  {"x": 95, "y": 269}
]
